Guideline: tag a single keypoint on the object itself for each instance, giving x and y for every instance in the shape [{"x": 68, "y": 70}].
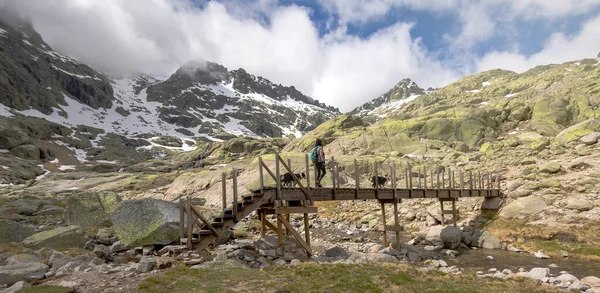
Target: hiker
[{"x": 318, "y": 158}]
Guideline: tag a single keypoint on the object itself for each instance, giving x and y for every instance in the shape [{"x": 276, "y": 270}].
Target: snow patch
[
  {"x": 4, "y": 167},
  {"x": 55, "y": 161},
  {"x": 5, "y": 151},
  {"x": 577, "y": 63},
  {"x": 74, "y": 74},
  {"x": 473, "y": 91},
  {"x": 27, "y": 43},
  {"x": 486, "y": 83},
  {"x": 66, "y": 167},
  {"x": 511, "y": 95},
  {"x": 3, "y": 33},
  {"x": 484, "y": 103},
  {"x": 106, "y": 162},
  {"x": 5, "y": 111},
  {"x": 46, "y": 172}
]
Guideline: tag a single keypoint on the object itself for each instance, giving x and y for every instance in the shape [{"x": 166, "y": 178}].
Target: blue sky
[{"x": 342, "y": 52}]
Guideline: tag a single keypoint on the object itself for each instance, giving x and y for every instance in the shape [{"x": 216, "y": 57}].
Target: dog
[
  {"x": 287, "y": 180},
  {"x": 379, "y": 181}
]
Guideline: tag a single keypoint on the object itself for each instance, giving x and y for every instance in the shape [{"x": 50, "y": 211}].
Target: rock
[
  {"x": 11, "y": 231},
  {"x": 16, "y": 287},
  {"x": 590, "y": 139},
  {"x": 580, "y": 204},
  {"x": 485, "y": 239},
  {"x": 376, "y": 248},
  {"x": 515, "y": 249},
  {"x": 224, "y": 237},
  {"x": 146, "y": 221},
  {"x": 58, "y": 259},
  {"x": 280, "y": 262},
  {"x": 59, "y": 238},
  {"x": 102, "y": 251},
  {"x": 336, "y": 251},
  {"x": 147, "y": 249},
  {"x": 410, "y": 216},
  {"x": 492, "y": 203},
  {"x": 90, "y": 244},
  {"x": 413, "y": 256},
  {"x": 146, "y": 264},
  {"x": 591, "y": 281},
  {"x": 539, "y": 273},
  {"x": 170, "y": 248},
  {"x": 577, "y": 131},
  {"x": 525, "y": 206},
  {"x": 451, "y": 237},
  {"x": 103, "y": 236},
  {"x": 513, "y": 185},
  {"x": 551, "y": 168},
  {"x": 567, "y": 278},
  {"x": 435, "y": 211},
  {"x": 11, "y": 274},
  {"x": 91, "y": 209},
  {"x": 541, "y": 254},
  {"x": 22, "y": 258},
  {"x": 295, "y": 262},
  {"x": 119, "y": 247},
  {"x": 69, "y": 284}
]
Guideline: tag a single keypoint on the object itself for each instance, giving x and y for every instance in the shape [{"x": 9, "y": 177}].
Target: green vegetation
[
  {"x": 47, "y": 289},
  {"x": 310, "y": 277}
]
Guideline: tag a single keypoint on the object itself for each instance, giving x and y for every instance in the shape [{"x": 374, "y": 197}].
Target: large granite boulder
[
  {"x": 11, "y": 274},
  {"x": 91, "y": 209},
  {"x": 59, "y": 238},
  {"x": 447, "y": 236},
  {"x": 484, "y": 239},
  {"x": 13, "y": 232},
  {"x": 523, "y": 207},
  {"x": 146, "y": 222}
]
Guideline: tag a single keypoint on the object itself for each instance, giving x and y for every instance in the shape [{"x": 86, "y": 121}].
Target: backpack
[{"x": 314, "y": 155}]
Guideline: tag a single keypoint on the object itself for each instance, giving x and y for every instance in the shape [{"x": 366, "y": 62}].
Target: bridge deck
[{"x": 322, "y": 194}]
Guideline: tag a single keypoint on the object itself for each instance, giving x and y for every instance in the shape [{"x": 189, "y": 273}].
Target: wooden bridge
[{"x": 197, "y": 232}]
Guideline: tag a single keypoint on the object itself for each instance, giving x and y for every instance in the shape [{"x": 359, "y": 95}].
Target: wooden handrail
[{"x": 293, "y": 177}]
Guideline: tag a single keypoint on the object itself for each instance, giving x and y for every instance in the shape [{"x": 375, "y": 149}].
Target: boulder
[
  {"x": 11, "y": 274},
  {"x": 91, "y": 209},
  {"x": 16, "y": 287},
  {"x": 550, "y": 167},
  {"x": 567, "y": 278},
  {"x": 120, "y": 247},
  {"x": 102, "y": 251},
  {"x": 538, "y": 273},
  {"x": 381, "y": 258},
  {"x": 59, "y": 238},
  {"x": 484, "y": 239},
  {"x": 579, "y": 130},
  {"x": 11, "y": 231},
  {"x": 146, "y": 222},
  {"x": 22, "y": 258},
  {"x": 146, "y": 264},
  {"x": 590, "y": 139},
  {"x": 524, "y": 206},
  {"x": 336, "y": 251},
  {"x": 447, "y": 236},
  {"x": 579, "y": 204},
  {"x": 492, "y": 203},
  {"x": 591, "y": 281},
  {"x": 103, "y": 236}
]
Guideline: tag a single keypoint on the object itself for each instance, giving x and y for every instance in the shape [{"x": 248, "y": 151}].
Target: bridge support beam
[{"x": 384, "y": 227}]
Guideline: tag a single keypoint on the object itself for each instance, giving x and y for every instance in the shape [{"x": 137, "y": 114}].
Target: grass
[
  {"x": 311, "y": 277},
  {"x": 581, "y": 242}
]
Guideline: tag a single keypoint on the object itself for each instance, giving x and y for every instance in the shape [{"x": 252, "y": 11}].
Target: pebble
[
  {"x": 553, "y": 265},
  {"x": 541, "y": 254},
  {"x": 490, "y": 257}
]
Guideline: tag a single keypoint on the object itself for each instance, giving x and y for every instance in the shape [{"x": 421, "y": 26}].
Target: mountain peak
[
  {"x": 202, "y": 71},
  {"x": 403, "y": 92}
]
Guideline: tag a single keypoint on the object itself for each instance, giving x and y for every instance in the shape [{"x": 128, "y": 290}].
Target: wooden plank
[
  {"x": 419, "y": 171},
  {"x": 442, "y": 207},
  {"x": 181, "y": 219},
  {"x": 235, "y": 195},
  {"x": 410, "y": 187},
  {"x": 277, "y": 176},
  {"x": 287, "y": 231},
  {"x": 356, "y": 178},
  {"x": 190, "y": 226},
  {"x": 271, "y": 226},
  {"x": 444, "y": 178},
  {"x": 438, "y": 179},
  {"x": 296, "y": 235},
  {"x": 224, "y": 191},
  {"x": 296, "y": 210},
  {"x": 260, "y": 173},
  {"x": 306, "y": 230},
  {"x": 376, "y": 181},
  {"x": 268, "y": 171},
  {"x": 462, "y": 180},
  {"x": 394, "y": 180},
  {"x": 397, "y": 226},
  {"x": 425, "y": 177},
  {"x": 449, "y": 212},
  {"x": 307, "y": 171},
  {"x": 471, "y": 180},
  {"x": 263, "y": 218},
  {"x": 279, "y": 231},
  {"x": 454, "y": 213},
  {"x": 206, "y": 222},
  {"x": 383, "y": 221}
]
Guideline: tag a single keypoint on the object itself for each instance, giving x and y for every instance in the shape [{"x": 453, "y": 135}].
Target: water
[{"x": 476, "y": 260}]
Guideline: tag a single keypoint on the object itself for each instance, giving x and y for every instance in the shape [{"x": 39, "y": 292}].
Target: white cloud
[{"x": 559, "y": 48}]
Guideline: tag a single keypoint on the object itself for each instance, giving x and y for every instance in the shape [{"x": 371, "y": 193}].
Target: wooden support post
[
  {"x": 190, "y": 225},
  {"x": 419, "y": 171},
  {"x": 407, "y": 177},
  {"x": 299, "y": 239},
  {"x": 181, "y": 218},
  {"x": 383, "y": 220},
  {"x": 396, "y": 225},
  {"x": 394, "y": 180},
  {"x": 277, "y": 177},
  {"x": 498, "y": 179},
  {"x": 376, "y": 181},
  {"x": 333, "y": 176},
  {"x": 442, "y": 207},
  {"x": 224, "y": 190},
  {"x": 306, "y": 229},
  {"x": 279, "y": 232},
  {"x": 438, "y": 178},
  {"x": 444, "y": 179},
  {"x": 356, "y": 179},
  {"x": 289, "y": 162},
  {"x": 204, "y": 221},
  {"x": 410, "y": 175},
  {"x": 470, "y": 180},
  {"x": 453, "y": 180},
  {"x": 263, "y": 219},
  {"x": 454, "y": 212},
  {"x": 479, "y": 180},
  {"x": 235, "y": 195},
  {"x": 287, "y": 231},
  {"x": 425, "y": 175},
  {"x": 307, "y": 171}
]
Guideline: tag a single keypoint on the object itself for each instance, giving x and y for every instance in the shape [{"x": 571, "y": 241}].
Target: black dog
[
  {"x": 287, "y": 180},
  {"x": 379, "y": 180}
]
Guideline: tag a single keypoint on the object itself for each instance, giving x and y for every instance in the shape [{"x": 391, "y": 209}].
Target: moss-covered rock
[
  {"x": 59, "y": 238},
  {"x": 486, "y": 148},
  {"x": 551, "y": 167},
  {"x": 525, "y": 206},
  {"x": 13, "y": 232},
  {"x": 91, "y": 209},
  {"x": 578, "y": 130},
  {"x": 145, "y": 222},
  {"x": 580, "y": 204}
]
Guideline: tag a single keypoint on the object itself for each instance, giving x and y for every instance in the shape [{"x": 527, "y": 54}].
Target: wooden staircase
[{"x": 203, "y": 233}]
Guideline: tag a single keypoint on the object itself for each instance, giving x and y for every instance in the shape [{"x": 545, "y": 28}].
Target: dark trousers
[{"x": 320, "y": 172}]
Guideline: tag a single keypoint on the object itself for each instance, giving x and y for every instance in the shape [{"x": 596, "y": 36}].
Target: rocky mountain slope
[{"x": 57, "y": 112}]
